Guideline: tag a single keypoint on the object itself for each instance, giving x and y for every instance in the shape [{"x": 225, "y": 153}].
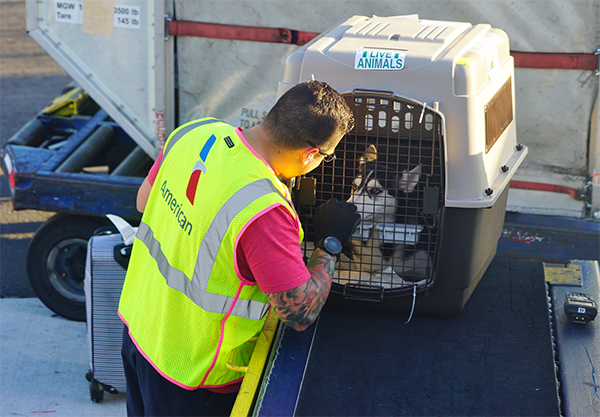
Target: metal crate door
[{"x": 391, "y": 166}]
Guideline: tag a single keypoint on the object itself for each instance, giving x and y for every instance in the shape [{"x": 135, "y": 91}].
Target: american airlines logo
[{"x": 198, "y": 169}]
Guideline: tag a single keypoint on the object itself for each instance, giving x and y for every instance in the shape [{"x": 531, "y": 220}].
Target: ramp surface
[{"x": 495, "y": 358}]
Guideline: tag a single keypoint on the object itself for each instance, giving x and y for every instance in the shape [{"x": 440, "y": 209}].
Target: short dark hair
[{"x": 311, "y": 111}]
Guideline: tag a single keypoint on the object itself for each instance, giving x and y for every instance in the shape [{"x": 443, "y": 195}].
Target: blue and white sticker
[{"x": 379, "y": 59}]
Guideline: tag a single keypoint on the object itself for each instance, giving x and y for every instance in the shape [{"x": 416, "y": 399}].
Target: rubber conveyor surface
[{"x": 495, "y": 358}]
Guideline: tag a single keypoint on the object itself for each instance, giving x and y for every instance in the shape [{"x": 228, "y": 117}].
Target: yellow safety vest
[{"x": 185, "y": 306}]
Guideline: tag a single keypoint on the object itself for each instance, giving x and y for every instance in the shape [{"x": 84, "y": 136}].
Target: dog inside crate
[{"x": 390, "y": 168}]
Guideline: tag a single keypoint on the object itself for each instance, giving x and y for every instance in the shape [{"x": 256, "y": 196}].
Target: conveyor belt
[{"x": 496, "y": 358}]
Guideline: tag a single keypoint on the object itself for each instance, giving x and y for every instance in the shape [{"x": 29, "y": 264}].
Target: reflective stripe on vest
[
  {"x": 182, "y": 132},
  {"x": 220, "y": 224},
  {"x": 195, "y": 289}
]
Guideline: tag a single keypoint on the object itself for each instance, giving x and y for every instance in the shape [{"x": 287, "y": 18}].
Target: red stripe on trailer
[
  {"x": 537, "y": 186},
  {"x": 546, "y": 60},
  {"x": 540, "y": 60},
  {"x": 239, "y": 32}
]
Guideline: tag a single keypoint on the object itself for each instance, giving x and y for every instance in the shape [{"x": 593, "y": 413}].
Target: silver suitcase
[{"x": 106, "y": 262}]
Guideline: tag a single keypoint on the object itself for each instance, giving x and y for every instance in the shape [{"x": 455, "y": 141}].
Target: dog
[{"x": 377, "y": 191}]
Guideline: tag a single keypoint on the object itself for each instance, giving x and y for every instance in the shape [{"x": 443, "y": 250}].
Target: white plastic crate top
[{"x": 459, "y": 69}]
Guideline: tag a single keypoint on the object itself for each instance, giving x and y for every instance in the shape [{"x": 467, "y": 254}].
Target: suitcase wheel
[
  {"x": 97, "y": 388},
  {"x": 96, "y": 391}
]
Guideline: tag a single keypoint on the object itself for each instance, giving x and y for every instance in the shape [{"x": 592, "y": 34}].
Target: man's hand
[
  {"x": 299, "y": 307},
  {"x": 335, "y": 218}
]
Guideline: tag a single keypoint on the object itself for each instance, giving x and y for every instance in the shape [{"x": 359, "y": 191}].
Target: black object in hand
[
  {"x": 580, "y": 308},
  {"x": 335, "y": 218}
]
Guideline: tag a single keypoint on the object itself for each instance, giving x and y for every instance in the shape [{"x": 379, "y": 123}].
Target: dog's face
[
  {"x": 375, "y": 190},
  {"x": 372, "y": 200}
]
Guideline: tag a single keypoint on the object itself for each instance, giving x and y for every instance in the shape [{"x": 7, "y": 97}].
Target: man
[{"x": 218, "y": 248}]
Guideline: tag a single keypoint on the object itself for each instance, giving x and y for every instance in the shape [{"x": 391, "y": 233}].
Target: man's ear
[{"x": 309, "y": 154}]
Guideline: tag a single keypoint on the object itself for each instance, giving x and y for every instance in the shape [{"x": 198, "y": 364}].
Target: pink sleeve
[
  {"x": 154, "y": 170},
  {"x": 269, "y": 254}
]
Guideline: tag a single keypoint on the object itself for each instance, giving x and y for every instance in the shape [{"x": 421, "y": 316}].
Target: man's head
[{"x": 310, "y": 118}]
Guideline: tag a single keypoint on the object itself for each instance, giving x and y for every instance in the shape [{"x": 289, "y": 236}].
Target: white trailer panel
[{"x": 116, "y": 51}]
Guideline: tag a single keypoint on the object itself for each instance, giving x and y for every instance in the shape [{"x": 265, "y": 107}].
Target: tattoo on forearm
[{"x": 300, "y": 306}]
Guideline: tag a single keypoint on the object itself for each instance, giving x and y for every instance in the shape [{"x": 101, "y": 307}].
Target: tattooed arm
[{"x": 299, "y": 307}]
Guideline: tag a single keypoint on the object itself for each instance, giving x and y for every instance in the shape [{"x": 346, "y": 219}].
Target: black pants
[{"x": 150, "y": 394}]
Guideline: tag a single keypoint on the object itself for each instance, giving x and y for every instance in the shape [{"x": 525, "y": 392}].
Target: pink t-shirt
[{"x": 268, "y": 252}]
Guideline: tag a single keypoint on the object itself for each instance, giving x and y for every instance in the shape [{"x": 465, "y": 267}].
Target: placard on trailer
[{"x": 117, "y": 51}]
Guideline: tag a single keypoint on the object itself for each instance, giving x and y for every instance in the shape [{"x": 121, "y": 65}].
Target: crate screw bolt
[
  {"x": 489, "y": 191},
  {"x": 504, "y": 168},
  {"x": 519, "y": 147}
]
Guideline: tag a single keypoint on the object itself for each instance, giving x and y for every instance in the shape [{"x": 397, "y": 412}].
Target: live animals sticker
[{"x": 379, "y": 59}]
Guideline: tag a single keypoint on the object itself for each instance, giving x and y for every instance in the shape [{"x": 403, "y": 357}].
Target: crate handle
[
  {"x": 363, "y": 287},
  {"x": 381, "y": 94}
]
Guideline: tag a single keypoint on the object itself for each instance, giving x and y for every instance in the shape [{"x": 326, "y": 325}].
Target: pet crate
[{"x": 427, "y": 164}]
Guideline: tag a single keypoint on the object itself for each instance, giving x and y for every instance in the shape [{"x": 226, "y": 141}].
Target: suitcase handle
[{"x": 122, "y": 253}]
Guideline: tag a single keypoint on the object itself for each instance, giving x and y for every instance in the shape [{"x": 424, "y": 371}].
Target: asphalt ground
[
  {"x": 29, "y": 80},
  {"x": 43, "y": 357}
]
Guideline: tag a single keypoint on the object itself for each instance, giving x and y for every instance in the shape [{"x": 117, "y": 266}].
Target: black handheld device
[{"x": 580, "y": 308}]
